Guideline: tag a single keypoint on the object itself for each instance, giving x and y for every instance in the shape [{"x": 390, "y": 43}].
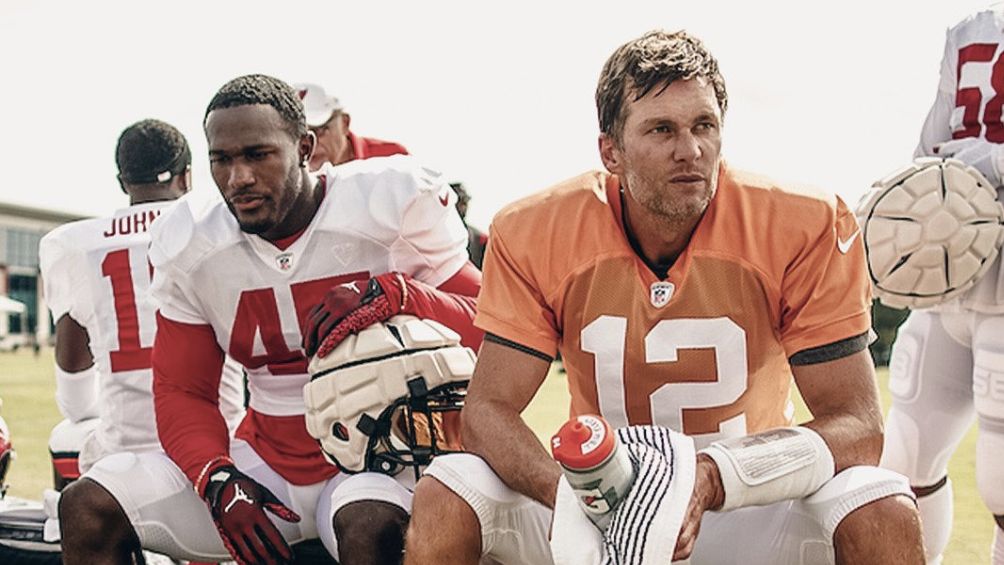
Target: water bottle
[{"x": 595, "y": 464}]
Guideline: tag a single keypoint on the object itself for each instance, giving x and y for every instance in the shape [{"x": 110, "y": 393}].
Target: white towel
[{"x": 646, "y": 524}]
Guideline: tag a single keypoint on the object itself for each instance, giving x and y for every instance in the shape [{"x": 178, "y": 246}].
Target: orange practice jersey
[{"x": 769, "y": 272}]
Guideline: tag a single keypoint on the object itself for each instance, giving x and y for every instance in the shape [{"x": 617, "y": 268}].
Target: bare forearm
[
  {"x": 73, "y": 350},
  {"x": 500, "y": 437},
  {"x": 843, "y": 398},
  {"x": 853, "y": 439}
]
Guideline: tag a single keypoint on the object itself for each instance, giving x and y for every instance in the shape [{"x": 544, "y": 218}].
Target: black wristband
[{"x": 219, "y": 479}]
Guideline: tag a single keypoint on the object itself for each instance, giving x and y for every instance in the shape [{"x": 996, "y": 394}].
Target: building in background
[{"x": 21, "y": 228}]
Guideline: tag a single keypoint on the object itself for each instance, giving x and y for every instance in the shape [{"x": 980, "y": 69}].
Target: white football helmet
[
  {"x": 379, "y": 400},
  {"x": 930, "y": 230}
]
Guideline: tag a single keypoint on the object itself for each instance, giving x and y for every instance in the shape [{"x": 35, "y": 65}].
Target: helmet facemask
[
  {"x": 389, "y": 398},
  {"x": 403, "y": 437}
]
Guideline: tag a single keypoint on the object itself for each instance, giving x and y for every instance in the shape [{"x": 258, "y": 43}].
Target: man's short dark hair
[
  {"x": 654, "y": 60},
  {"x": 262, "y": 89},
  {"x": 151, "y": 152}
]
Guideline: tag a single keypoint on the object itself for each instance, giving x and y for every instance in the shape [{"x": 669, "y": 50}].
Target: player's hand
[
  {"x": 640, "y": 530},
  {"x": 953, "y": 147},
  {"x": 983, "y": 156},
  {"x": 348, "y": 308},
  {"x": 708, "y": 495},
  {"x": 238, "y": 503}
]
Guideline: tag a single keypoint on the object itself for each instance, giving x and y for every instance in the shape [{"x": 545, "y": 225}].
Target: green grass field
[{"x": 27, "y": 388}]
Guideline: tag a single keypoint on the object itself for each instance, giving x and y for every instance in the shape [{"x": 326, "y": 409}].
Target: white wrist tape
[
  {"x": 771, "y": 466},
  {"x": 77, "y": 393}
]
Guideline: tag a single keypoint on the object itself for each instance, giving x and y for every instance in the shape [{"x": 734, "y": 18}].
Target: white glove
[
  {"x": 984, "y": 156},
  {"x": 646, "y": 524}
]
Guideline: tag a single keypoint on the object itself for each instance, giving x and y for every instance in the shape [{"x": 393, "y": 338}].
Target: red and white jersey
[
  {"x": 968, "y": 105},
  {"x": 378, "y": 215},
  {"x": 97, "y": 272}
]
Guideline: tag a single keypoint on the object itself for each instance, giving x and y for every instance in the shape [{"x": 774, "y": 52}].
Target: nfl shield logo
[
  {"x": 285, "y": 261},
  {"x": 662, "y": 291}
]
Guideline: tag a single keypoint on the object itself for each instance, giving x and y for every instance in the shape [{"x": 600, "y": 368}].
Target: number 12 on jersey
[{"x": 606, "y": 338}]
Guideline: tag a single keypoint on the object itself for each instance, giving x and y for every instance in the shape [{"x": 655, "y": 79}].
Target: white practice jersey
[
  {"x": 969, "y": 105},
  {"x": 377, "y": 215},
  {"x": 97, "y": 272}
]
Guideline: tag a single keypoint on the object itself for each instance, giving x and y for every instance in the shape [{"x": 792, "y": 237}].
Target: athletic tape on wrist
[
  {"x": 77, "y": 394},
  {"x": 771, "y": 466}
]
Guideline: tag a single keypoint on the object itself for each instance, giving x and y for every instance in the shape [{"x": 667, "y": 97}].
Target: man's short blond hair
[{"x": 653, "y": 61}]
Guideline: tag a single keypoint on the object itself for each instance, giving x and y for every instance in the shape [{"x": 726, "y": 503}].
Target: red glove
[
  {"x": 238, "y": 503},
  {"x": 345, "y": 310}
]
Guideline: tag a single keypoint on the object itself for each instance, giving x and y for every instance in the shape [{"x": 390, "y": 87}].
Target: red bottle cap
[{"x": 583, "y": 443}]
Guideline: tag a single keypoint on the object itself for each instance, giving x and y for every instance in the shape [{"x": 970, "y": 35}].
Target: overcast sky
[{"x": 496, "y": 94}]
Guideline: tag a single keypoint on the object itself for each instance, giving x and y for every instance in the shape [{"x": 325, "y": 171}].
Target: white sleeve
[
  {"x": 77, "y": 394},
  {"x": 59, "y": 265},
  {"x": 937, "y": 126},
  {"x": 432, "y": 245}
]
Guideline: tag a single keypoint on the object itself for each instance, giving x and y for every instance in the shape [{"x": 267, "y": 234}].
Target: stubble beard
[
  {"x": 253, "y": 227},
  {"x": 662, "y": 200},
  {"x": 281, "y": 208}
]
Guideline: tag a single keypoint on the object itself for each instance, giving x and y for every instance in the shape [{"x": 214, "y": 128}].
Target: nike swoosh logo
[
  {"x": 444, "y": 199},
  {"x": 844, "y": 245}
]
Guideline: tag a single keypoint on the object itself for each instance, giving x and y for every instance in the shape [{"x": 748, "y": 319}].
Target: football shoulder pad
[
  {"x": 68, "y": 240},
  {"x": 396, "y": 173},
  {"x": 62, "y": 262},
  {"x": 374, "y": 195},
  {"x": 187, "y": 232},
  {"x": 170, "y": 234},
  {"x": 930, "y": 230}
]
